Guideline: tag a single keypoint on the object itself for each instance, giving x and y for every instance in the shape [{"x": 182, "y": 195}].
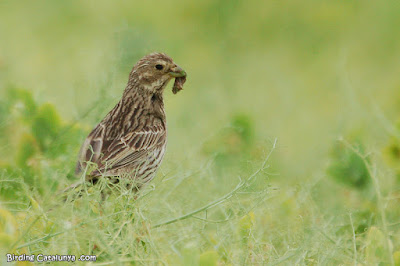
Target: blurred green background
[{"x": 320, "y": 76}]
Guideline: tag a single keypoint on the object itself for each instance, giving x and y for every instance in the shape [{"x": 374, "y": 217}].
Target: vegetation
[{"x": 283, "y": 147}]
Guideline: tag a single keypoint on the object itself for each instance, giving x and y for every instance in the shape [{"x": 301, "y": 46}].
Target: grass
[{"x": 283, "y": 147}]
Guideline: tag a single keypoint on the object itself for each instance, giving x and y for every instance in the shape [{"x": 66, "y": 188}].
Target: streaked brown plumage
[{"x": 130, "y": 141}]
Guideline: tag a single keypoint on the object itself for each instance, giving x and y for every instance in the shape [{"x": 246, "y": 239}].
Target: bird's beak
[{"x": 177, "y": 72}]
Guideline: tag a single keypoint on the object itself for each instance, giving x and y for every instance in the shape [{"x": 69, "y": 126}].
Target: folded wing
[{"x": 113, "y": 153}]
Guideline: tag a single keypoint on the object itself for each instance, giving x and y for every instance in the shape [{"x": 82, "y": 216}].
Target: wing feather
[{"x": 111, "y": 154}]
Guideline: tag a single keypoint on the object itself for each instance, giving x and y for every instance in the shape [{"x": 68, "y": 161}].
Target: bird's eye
[{"x": 159, "y": 67}]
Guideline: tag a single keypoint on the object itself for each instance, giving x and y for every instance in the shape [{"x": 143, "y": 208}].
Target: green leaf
[
  {"x": 347, "y": 167},
  {"x": 46, "y": 125},
  {"x": 209, "y": 258},
  {"x": 23, "y": 101},
  {"x": 396, "y": 257},
  {"x": 27, "y": 148},
  {"x": 190, "y": 255},
  {"x": 375, "y": 251},
  {"x": 245, "y": 225}
]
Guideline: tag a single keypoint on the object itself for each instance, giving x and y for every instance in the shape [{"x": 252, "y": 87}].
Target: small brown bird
[{"x": 130, "y": 141}]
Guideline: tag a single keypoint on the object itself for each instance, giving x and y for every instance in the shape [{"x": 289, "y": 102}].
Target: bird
[{"x": 130, "y": 141}]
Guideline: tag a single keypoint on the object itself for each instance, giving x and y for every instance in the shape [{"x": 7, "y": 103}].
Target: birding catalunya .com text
[{"x": 49, "y": 258}]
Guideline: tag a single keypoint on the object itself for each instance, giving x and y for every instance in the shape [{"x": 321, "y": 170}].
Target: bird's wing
[{"x": 113, "y": 153}]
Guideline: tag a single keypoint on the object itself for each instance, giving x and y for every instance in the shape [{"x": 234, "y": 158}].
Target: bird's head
[{"x": 154, "y": 71}]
